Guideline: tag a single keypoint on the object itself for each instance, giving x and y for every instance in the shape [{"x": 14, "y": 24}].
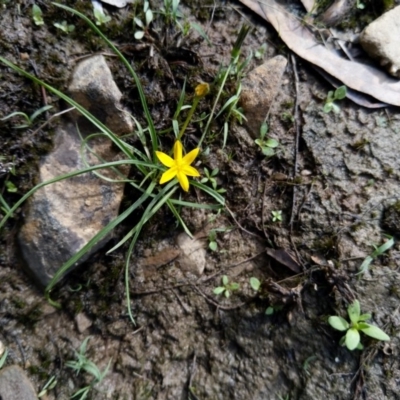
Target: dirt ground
[{"x": 188, "y": 343}]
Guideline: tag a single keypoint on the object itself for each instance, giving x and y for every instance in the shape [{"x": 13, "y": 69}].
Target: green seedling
[
  {"x": 3, "y": 358},
  {"x": 306, "y": 364},
  {"x": 64, "y": 26},
  {"x": 227, "y": 287},
  {"x": 255, "y": 283},
  {"x": 100, "y": 17},
  {"x": 360, "y": 5},
  {"x": 210, "y": 177},
  {"x": 378, "y": 252},
  {"x": 37, "y": 15},
  {"x": 29, "y": 119},
  {"x": 143, "y": 26},
  {"x": 260, "y": 52},
  {"x": 50, "y": 384},
  {"x": 357, "y": 324},
  {"x": 212, "y": 237},
  {"x": 276, "y": 216},
  {"x": 171, "y": 13},
  {"x": 266, "y": 145},
  {"x": 338, "y": 94},
  {"x": 84, "y": 364},
  {"x": 287, "y": 116},
  {"x": 212, "y": 240}
]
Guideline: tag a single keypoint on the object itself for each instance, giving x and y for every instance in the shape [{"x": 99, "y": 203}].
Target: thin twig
[
  {"x": 297, "y": 128},
  {"x": 218, "y": 305},
  {"x": 238, "y": 224},
  {"x": 51, "y": 118}
]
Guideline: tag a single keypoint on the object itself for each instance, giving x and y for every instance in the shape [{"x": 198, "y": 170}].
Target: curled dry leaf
[
  {"x": 285, "y": 258},
  {"x": 299, "y": 39}
]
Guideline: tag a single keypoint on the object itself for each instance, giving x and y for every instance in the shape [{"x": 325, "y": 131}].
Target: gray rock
[
  {"x": 193, "y": 254},
  {"x": 380, "y": 39},
  {"x": 93, "y": 87},
  {"x": 82, "y": 322},
  {"x": 62, "y": 217},
  {"x": 15, "y": 385},
  {"x": 259, "y": 90}
]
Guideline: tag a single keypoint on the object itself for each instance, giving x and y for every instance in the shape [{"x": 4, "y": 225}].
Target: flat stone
[
  {"x": 193, "y": 254},
  {"x": 15, "y": 385},
  {"x": 259, "y": 89},
  {"x": 63, "y": 217},
  {"x": 82, "y": 322},
  {"x": 380, "y": 39}
]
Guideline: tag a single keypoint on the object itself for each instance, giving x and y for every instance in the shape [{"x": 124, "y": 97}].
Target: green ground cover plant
[{"x": 357, "y": 324}]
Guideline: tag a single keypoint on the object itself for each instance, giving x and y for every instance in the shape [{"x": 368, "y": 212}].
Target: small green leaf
[
  {"x": 360, "y": 346},
  {"x": 335, "y": 108},
  {"x": 364, "y": 317},
  {"x": 268, "y": 151},
  {"x": 213, "y": 246},
  {"x": 149, "y": 17},
  {"x": 272, "y": 143},
  {"x": 338, "y": 323},
  {"x": 269, "y": 310},
  {"x": 255, "y": 283},
  {"x": 225, "y": 280},
  {"x": 374, "y": 332},
  {"x": 354, "y": 311},
  {"x": 37, "y": 15},
  {"x": 352, "y": 338},
  {"x": 219, "y": 290},
  {"x": 227, "y": 294},
  {"x": 11, "y": 188},
  {"x": 340, "y": 92},
  {"x": 263, "y": 130},
  {"x": 365, "y": 265},
  {"x": 384, "y": 247},
  {"x": 234, "y": 286},
  {"x": 139, "y": 35},
  {"x": 138, "y": 22},
  {"x": 328, "y": 107},
  {"x": 3, "y": 358},
  {"x": 215, "y": 172}
]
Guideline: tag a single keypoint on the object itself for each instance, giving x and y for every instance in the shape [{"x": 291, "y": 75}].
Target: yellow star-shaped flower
[{"x": 178, "y": 166}]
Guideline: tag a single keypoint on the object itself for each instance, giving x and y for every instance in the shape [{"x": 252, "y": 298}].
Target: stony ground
[{"x": 188, "y": 343}]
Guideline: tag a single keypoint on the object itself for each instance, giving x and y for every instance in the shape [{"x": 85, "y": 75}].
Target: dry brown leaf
[
  {"x": 284, "y": 258},
  {"x": 301, "y": 40}
]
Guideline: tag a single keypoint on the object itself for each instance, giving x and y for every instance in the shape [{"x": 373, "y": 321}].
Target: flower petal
[
  {"x": 183, "y": 180},
  {"x": 190, "y": 171},
  {"x": 168, "y": 175},
  {"x": 178, "y": 152},
  {"x": 165, "y": 159},
  {"x": 189, "y": 158}
]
